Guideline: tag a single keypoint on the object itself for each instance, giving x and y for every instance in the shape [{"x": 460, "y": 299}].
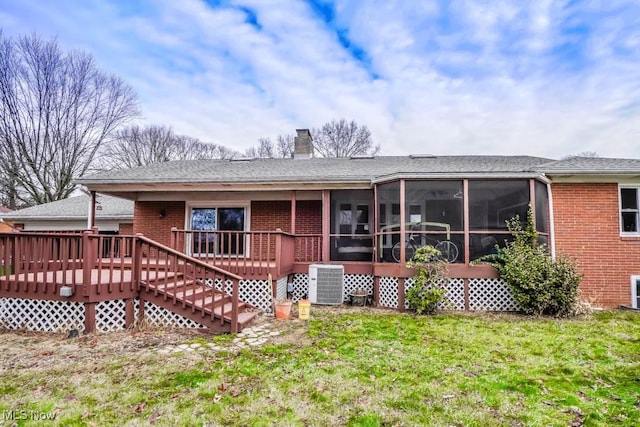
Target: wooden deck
[{"x": 40, "y": 265}]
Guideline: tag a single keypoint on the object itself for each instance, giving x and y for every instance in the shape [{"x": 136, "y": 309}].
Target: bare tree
[
  {"x": 56, "y": 109},
  {"x": 282, "y": 148},
  {"x": 139, "y": 146},
  {"x": 343, "y": 139}
]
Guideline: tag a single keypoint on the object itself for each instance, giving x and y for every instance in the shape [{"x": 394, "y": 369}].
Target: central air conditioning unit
[{"x": 326, "y": 284}]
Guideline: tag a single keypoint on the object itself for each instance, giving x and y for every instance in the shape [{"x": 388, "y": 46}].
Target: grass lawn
[{"x": 367, "y": 368}]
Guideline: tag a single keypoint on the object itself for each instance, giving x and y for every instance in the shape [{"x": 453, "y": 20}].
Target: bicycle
[{"x": 448, "y": 250}]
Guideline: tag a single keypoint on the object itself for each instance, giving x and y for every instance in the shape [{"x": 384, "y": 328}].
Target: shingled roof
[
  {"x": 75, "y": 208},
  {"x": 591, "y": 165},
  {"x": 315, "y": 169}
]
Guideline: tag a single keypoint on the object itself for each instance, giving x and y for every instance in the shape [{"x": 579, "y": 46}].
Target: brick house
[{"x": 368, "y": 214}]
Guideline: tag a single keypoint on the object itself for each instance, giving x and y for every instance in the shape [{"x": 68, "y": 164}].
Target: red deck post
[
  {"x": 129, "y": 315},
  {"x": 376, "y": 291},
  {"x": 89, "y": 317},
  {"x": 87, "y": 261},
  {"x": 326, "y": 225},
  {"x": 173, "y": 240},
  {"x": 136, "y": 261},
  {"x": 235, "y": 300},
  {"x": 278, "y": 254},
  {"x": 401, "y": 293}
]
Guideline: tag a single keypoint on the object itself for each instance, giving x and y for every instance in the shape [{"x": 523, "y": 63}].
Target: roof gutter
[{"x": 478, "y": 175}]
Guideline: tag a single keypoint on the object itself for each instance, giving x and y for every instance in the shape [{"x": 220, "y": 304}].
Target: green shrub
[
  {"x": 426, "y": 293},
  {"x": 540, "y": 284}
]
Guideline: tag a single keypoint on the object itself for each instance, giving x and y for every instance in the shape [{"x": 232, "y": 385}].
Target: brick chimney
[{"x": 302, "y": 144}]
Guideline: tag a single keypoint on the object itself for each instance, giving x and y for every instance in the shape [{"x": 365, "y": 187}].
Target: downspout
[{"x": 552, "y": 232}]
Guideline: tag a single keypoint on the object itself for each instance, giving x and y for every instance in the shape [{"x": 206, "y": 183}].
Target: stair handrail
[{"x": 235, "y": 279}]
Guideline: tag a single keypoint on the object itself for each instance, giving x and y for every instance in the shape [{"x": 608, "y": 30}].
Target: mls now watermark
[{"x": 23, "y": 415}]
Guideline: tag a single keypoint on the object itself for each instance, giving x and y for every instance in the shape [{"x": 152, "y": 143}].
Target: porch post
[
  {"x": 326, "y": 225},
  {"x": 293, "y": 212},
  {"x": 376, "y": 225},
  {"x": 403, "y": 234},
  {"x": 465, "y": 214},
  {"x": 532, "y": 201},
  {"x": 92, "y": 211}
]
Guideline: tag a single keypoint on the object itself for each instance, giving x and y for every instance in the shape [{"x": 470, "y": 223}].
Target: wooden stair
[{"x": 197, "y": 301}]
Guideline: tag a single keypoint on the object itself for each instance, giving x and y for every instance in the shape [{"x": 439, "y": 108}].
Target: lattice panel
[
  {"x": 281, "y": 288},
  {"x": 300, "y": 286},
  {"x": 161, "y": 317},
  {"x": 41, "y": 315},
  {"x": 454, "y": 296},
  {"x": 490, "y": 294},
  {"x": 258, "y": 293},
  {"x": 110, "y": 316},
  {"x": 389, "y": 292},
  {"x": 354, "y": 282}
]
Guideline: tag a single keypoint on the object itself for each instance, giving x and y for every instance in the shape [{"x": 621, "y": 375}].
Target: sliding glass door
[{"x": 218, "y": 231}]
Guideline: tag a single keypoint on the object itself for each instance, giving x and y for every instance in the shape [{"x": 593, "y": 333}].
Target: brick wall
[
  {"x": 125, "y": 229},
  {"x": 148, "y": 222},
  {"x": 587, "y": 228},
  {"x": 309, "y": 217},
  {"x": 269, "y": 215}
]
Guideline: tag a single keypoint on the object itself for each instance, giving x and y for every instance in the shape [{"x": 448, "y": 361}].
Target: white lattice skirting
[
  {"x": 255, "y": 292},
  {"x": 161, "y": 317},
  {"x": 453, "y": 299},
  {"x": 41, "y": 315},
  {"x": 62, "y": 316},
  {"x": 491, "y": 295},
  {"x": 484, "y": 294}
]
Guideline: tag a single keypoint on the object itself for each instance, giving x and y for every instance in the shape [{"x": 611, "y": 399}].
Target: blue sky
[{"x": 546, "y": 78}]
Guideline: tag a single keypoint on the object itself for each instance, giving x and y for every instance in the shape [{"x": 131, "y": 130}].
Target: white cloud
[{"x": 505, "y": 77}]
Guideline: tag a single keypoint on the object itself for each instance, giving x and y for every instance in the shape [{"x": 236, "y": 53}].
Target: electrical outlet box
[{"x": 66, "y": 291}]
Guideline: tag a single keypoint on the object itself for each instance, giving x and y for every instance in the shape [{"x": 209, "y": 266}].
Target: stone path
[{"x": 253, "y": 336}]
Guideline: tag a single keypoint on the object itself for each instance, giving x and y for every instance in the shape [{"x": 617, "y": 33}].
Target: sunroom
[{"x": 464, "y": 218}]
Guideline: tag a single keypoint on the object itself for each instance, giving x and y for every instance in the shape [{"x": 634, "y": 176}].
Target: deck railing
[
  {"x": 112, "y": 256},
  {"x": 25, "y": 256},
  {"x": 308, "y": 248},
  {"x": 245, "y": 252}
]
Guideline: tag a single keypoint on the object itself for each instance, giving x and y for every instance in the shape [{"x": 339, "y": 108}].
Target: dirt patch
[{"x": 34, "y": 350}]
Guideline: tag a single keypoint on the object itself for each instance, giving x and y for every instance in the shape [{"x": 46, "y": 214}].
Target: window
[
  {"x": 629, "y": 210},
  {"x": 218, "y": 230},
  {"x": 635, "y": 291}
]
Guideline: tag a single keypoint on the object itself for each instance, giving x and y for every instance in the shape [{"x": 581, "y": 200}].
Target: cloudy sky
[{"x": 543, "y": 77}]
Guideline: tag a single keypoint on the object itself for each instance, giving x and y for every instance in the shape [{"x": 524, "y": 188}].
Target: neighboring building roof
[
  {"x": 75, "y": 208},
  {"x": 4, "y": 210},
  {"x": 315, "y": 170}
]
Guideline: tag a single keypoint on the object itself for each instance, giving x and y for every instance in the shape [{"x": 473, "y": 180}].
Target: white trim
[
  {"x": 552, "y": 224},
  {"x": 91, "y": 208},
  {"x": 634, "y": 294},
  {"x": 244, "y": 204},
  {"x": 620, "y": 223}
]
